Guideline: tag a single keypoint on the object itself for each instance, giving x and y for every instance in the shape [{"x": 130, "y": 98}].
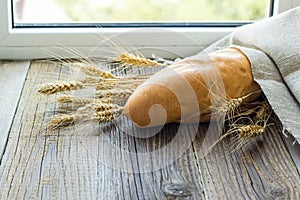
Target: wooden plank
[
  {"x": 294, "y": 149},
  {"x": 12, "y": 77},
  {"x": 75, "y": 163},
  {"x": 85, "y": 161},
  {"x": 263, "y": 169}
]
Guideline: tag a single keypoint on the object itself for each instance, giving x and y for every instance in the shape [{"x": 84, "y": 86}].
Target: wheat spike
[
  {"x": 108, "y": 101},
  {"x": 65, "y": 99},
  {"x": 100, "y": 83},
  {"x": 97, "y": 106},
  {"x": 245, "y": 133},
  {"x": 231, "y": 105},
  {"x": 250, "y": 131},
  {"x": 108, "y": 115},
  {"x": 91, "y": 80},
  {"x": 263, "y": 111},
  {"x": 242, "y": 135},
  {"x": 51, "y": 88},
  {"x": 137, "y": 61},
  {"x": 93, "y": 71},
  {"x": 106, "y": 86},
  {"x": 125, "y": 93},
  {"x": 72, "y": 99},
  {"x": 115, "y": 85},
  {"x": 61, "y": 120}
]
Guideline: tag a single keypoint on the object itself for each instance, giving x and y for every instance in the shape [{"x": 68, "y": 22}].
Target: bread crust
[{"x": 167, "y": 89}]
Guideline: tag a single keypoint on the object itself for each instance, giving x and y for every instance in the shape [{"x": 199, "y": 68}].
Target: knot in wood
[{"x": 176, "y": 190}]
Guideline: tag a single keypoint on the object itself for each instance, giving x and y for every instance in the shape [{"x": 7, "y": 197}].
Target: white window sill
[{"x": 34, "y": 43}]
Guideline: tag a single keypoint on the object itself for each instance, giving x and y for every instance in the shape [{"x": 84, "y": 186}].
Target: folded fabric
[{"x": 273, "y": 48}]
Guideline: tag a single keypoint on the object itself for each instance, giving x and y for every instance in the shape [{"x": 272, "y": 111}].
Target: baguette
[{"x": 168, "y": 95}]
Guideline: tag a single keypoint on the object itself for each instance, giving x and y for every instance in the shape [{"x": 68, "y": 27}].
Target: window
[
  {"x": 138, "y": 11},
  {"x": 25, "y": 38}
]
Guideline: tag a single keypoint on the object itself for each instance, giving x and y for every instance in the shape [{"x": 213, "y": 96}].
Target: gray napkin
[{"x": 273, "y": 48}]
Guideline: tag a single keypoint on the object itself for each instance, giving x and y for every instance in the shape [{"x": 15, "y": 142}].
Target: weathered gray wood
[
  {"x": 68, "y": 163},
  {"x": 75, "y": 163},
  {"x": 294, "y": 149},
  {"x": 263, "y": 169},
  {"x": 12, "y": 77}
]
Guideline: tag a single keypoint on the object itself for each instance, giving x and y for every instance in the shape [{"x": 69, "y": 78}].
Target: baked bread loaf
[{"x": 182, "y": 91}]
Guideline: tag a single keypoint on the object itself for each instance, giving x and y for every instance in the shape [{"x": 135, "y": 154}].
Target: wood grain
[
  {"x": 293, "y": 148},
  {"x": 263, "y": 169},
  {"x": 12, "y": 77},
  {"x": 85, "y": 161}
]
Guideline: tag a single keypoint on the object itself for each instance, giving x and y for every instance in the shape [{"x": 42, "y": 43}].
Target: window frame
[{"x": 34, "y": 43}]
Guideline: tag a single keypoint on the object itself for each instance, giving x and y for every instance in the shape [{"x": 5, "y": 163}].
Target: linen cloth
[{"x": 273, "y": 49}]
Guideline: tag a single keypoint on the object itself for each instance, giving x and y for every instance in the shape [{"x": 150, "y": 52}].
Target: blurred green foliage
[{"x": 165, "y": 10}]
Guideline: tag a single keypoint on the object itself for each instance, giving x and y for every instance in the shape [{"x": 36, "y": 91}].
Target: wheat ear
[
  {"x": 108, "y": 115},
  {"x": 131, "y": 59},
  {"x": 230, "y": 106},
  {"x": 72, "y": 99},
  {"x": 106, "y": 86},
  {"x": 51, "y": 88},
  {"x": 61, "y": 120},
  {"x": 263, "y": 111},
  {"x": 125, "y": 93},
  {"x": 245, "y": 133},
  {"x": 93, "y": 71},
  {"x": 250, "y": 131},
  {"x": 102, "y": 112},
  {"x": 115, "y": 85},
  {"x": 97, "y": 106}
]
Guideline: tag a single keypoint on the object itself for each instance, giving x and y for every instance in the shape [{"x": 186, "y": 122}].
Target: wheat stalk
[
  {"x": 51, "y": 88},
  {"x": 131, "y": 59}
]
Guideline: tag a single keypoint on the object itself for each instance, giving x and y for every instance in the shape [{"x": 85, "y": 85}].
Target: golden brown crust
[{"x": 166, "y": 89}]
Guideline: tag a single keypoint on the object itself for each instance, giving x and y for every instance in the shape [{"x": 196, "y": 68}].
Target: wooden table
[{"x": 75, "y": 163}]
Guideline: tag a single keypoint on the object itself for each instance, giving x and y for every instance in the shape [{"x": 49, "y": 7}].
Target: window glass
[{"x": 135, "y": 11}]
